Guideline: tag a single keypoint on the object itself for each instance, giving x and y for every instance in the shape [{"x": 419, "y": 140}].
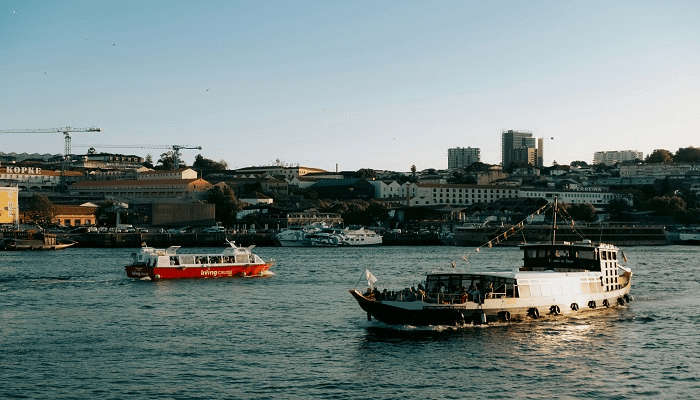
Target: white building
[
  {"x": 614, "y": 157},
  {"x": 386, "y": 189},
  {"x": 593, "y": 196},
  {"x": 658, "y": 170},
  {"x": 429, "y": 194},
  {"x": 34, "y": 179},
  {"x": 182, "y": 173},
  {"x": 279, "y": 170},
  {"x": 462, "y": 157}
]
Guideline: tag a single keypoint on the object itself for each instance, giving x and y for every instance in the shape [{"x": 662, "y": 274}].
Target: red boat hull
[{"x": 225, "y": 271}]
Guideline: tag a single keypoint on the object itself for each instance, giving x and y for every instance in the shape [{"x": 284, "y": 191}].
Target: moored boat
[
  {"x": 556, "y": 278},
  {"x": 234, "y": 261}
]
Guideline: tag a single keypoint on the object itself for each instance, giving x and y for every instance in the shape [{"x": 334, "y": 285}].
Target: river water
[{"x": 73, "y": 326}]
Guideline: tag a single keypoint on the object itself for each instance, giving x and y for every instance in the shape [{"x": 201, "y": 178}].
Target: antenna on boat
[{"x": 554, "y": 220}]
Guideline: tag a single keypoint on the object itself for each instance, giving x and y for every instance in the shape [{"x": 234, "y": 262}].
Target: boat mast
[{"x": 554, "y": 221}]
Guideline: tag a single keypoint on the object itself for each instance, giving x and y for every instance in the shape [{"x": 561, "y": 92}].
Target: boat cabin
[
  {"x": 459, "y": 287},
  {"x": 169, "y": 257},
  {"x": 574, "y": 257}
]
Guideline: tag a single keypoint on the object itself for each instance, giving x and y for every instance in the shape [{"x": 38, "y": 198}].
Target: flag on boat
[{"x": 371, "y": 279}]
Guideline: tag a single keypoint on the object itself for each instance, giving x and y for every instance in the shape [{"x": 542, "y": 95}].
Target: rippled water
[{"x": 73, "y": 326}]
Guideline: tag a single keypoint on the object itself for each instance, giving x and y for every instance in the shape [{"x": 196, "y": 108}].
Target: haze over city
[{"x": 361, "y": 84}]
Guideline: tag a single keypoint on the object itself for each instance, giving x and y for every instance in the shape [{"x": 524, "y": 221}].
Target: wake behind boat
[
  {"x": 168, "y": 264},
  {"x": 556, "y": 278}
]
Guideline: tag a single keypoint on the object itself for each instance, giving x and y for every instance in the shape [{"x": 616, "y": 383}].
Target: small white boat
[{"x": 360, "y": 237}]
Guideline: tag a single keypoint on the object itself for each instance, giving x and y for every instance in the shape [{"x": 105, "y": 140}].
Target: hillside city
[{"x": 90, "y": 191}]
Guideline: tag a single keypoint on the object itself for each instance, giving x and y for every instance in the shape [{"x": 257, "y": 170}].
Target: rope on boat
[{"x": 518, "y": 227}]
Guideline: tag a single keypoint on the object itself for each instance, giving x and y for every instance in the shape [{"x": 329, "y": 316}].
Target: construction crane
[
  {"x": 66, "y": 131},
  {"x": 177, "y": 156}
]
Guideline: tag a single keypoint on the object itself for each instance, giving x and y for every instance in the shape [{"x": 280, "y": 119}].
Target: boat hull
[
  {"x": 419, "y": 313},
  {"x": 227, "y": 271}
]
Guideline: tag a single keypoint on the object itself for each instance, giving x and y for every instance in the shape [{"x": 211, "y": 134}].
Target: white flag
[{"x": 371, "y": 279}]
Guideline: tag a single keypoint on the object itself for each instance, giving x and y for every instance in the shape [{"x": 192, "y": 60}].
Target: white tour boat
[{"x": 556, "y": 278}]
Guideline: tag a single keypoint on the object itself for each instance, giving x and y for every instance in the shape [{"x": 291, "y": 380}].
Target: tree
[
  {"x": 148, "y": 162},
  {"x": 41, "y": 209},
  {"x": 207, "y": 166},
  {"x": 616, "y": 207},
  {"x": 687, "y": 154},
  {"x": 366, "y": 173},
  {"x": 667, "y": 205},
  {"x": 167, "y": 161},
  {"x": 659, "y": 156},
  {"x": 225, "y": 202},
  {"x": 413, "y": 170},
  {"x": 580, "y": 164},
  {"x": 581, "y": 212}
]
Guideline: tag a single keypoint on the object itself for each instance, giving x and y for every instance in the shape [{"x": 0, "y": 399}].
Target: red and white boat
[{"x": 167, "y": 264}]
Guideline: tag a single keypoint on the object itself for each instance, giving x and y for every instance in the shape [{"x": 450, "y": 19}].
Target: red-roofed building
[{"x": 143, "y": 189}]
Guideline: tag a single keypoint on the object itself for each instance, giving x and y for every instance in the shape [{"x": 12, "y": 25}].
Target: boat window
[
  {"x": 241, "y": 258},
  {"x": 174, "y": 260},
  {"x": 524, "y": 290},
  {"x": 613, "y": 255},
  {"x": 603, "y": 255},
  {"x": 587, "y": 255},
  {"x": 187, "y": 259},
  {"x": 215, "y": 260},
  {"x": 531, "y": 253},
  {"x": 200, "y": 259},
  {"x": 541, "y": 253}
]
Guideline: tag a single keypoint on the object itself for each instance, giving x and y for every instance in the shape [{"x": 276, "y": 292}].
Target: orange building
[{"x": 74, "y": 215}]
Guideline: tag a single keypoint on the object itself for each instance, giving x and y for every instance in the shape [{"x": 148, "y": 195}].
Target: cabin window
[
  {"x": 241, "y": 258},
  {"x": 174, "y": 260},
  {"x": 531, "y": 253},
  {"x": 524, "y": 290},
  {"x": 187, "y": 259},
  {"x": 541, "y": 253},
  {"x": 603, "y": 255},
  {"x": 215, "y": 260},
  {"x": 200, "y": 260},
  {"x": 614, "y": 255}
]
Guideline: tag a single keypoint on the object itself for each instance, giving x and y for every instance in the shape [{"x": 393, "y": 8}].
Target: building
[
  {"x": 386, "y": 189},
  {"x": 143, "y": 189},
  {"x": 521, "y": 147},
  {"x": 462, "y": 157},
  {"x": 614, "y": 157},
  {"x": 594, "y": 196},
  {"x": 182, "y": 173},
  {"x": 279, "y": 170},
  {"x": 659, "y": 170},
  {"x": 102, "y": 161},
  {"x": 430, "y": 194},
  {"x": 34, "y": 178},
  {"x": 74, "y": 215},
  {"x": 164, "y": 212},
  {"x": 9, "y": 205}
]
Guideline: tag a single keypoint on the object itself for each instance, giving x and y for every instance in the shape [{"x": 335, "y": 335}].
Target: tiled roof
[
  {"x": 60, "y": 209},
  {"x": 132, "y": 182}
]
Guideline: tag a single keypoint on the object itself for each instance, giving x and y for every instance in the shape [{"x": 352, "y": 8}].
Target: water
[{"x": 73, "y": 326}]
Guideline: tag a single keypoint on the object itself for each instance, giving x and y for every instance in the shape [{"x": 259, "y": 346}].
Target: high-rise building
[
  {"x": 521, "y": 147},
  {"x": 462, "y": 157},
  {"x": 613, "y": 157}
]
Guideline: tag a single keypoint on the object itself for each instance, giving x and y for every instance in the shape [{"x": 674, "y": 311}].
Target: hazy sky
[{"x": 381, "y": 84}]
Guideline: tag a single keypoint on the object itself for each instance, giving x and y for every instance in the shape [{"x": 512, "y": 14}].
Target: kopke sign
[{"x": 23, "y": 170}]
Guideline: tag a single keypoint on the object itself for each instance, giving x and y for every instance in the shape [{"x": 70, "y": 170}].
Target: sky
[{"x": 361, "y": 84}]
